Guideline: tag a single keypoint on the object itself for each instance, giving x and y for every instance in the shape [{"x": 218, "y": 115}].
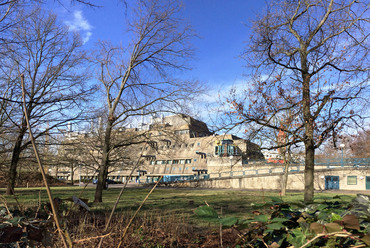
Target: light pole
[{"x": 342, "y": 148}]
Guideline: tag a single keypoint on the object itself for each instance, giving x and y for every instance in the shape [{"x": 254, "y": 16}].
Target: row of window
[
  {"x": 175, "y": 161},
  {"x": 174, "y": 146},
  {"x": 178, "y": 169},
  {"x": 226, "y": 149}
]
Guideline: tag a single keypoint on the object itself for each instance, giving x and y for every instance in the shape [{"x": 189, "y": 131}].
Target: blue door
[{"x": 331, "y": 182}]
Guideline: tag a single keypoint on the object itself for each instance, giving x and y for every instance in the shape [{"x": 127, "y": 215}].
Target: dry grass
[{"x": 150, "y": 229}]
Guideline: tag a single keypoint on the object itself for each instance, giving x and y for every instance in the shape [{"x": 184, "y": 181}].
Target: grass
[
  {"x": 166, "y": 220},
  {"x": 236, "y": 203}
]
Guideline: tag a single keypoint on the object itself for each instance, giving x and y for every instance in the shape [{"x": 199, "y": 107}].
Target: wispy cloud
[
  {"x": 81, "y": 25},
  {"x": 222, "y": 91}
]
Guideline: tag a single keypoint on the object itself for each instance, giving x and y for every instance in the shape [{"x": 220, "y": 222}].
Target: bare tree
[
  {"x": 311, "y": 58},
  {"x": 138, "y": 79},
  {"x": 359, "y": 144},
  {"x": 354, "y": 146},
  {"x": 52, "y": 62}
]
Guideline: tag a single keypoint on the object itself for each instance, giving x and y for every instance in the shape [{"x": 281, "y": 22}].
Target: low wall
[{"x": 273, "y": 181}]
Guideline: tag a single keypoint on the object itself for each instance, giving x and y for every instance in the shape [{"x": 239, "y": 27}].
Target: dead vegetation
[{"x": 149, "y": 229}]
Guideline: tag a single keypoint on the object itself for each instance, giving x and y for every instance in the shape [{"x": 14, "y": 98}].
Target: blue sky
[{"x": 222, "y": 25}]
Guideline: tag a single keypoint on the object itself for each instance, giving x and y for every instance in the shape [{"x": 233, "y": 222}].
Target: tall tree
[
  {"x": 311, "y": 58},
  {"x": 52, "y": 62},
  {"x": 138, "y": 79}
]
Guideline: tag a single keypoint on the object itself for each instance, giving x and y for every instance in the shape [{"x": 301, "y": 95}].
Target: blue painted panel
[{"x": 331, "y": 182}]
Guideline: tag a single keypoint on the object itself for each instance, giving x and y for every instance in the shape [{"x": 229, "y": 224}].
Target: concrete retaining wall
[{"x": 295, "y": 180}]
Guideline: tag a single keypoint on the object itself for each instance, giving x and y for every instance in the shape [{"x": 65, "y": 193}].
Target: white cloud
[
  {"x": 222, "y": 90},
  {"x": 81, "y": 25}
]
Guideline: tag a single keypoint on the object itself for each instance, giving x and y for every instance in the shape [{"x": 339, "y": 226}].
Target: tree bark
[
  {"x": 12, "y": 173},
  {"x": 285, "y": 179},
  {"x": 309, "y": 171},
  {"x": 103, "y": 172},
  {"x": 308, "y": 125},
  {"x": 72, "y": 173}
]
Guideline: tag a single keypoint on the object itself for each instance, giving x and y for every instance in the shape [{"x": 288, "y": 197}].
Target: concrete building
[{"x": 173, "y": 145}]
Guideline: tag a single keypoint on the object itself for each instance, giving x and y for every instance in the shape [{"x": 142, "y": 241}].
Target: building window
[
  {"x": 195, "y": 160},
  {"x": 175, "y": 161},
  {"x": 198, "y": 144},
  {"x": 152, "y": 162},
  {"x": 179, "y": 168},
  {"x": 186, "y": 168},
  {"x": 169, "y": 161},
  {"x": 188, "y": 161},
  {"x": 182, "y": 161},
  {"x": 163, "y": 161},
  {"x": 352, "y": 180}
]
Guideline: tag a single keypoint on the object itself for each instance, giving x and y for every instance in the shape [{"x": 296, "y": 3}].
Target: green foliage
[
  {"x": 206, "y": 212},
  {"x": 325, "y": 224},
  {"x": 297, "y": 237},
  {"x": 24, "y": 229},
  {"x": 230, "y": 221}
]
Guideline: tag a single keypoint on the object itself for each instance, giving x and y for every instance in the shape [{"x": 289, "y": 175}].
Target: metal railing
[{"x": 261, "y": 171}]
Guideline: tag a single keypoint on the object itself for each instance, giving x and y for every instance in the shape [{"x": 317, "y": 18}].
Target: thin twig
[
  {"x": 6, "y": 206},
  {"x": 119, "y": 197},
  {"x": 39, "y": 206},
  {"x": 79, "y": 195},
  {"x": 220, "y": 230},
  {"x": 16, "y": 200},
  {"x": 91, "y": 238},
  {"x": 326, "y": 234},
  {"x": 53, "y": 208},
  {"x": 137, "y": 211},
  {"x": 359, "y": 246},
  {"x": 263, "y": 241}
]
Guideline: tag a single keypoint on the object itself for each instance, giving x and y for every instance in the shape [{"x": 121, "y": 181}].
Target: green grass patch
[
  {"x": 178, "y": 201},
  {"x": 183, "y": 215}
]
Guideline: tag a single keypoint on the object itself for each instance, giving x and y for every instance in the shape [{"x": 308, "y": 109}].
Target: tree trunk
[
  {"x": 285, "y": 179},
  {"x": 12, "y": 174},
  {"x": 309, "y": 171},
  {"x": 103, "y": 172},
  {"x": 308, "y": 138},
  {"x": 72, "y": 174}
]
